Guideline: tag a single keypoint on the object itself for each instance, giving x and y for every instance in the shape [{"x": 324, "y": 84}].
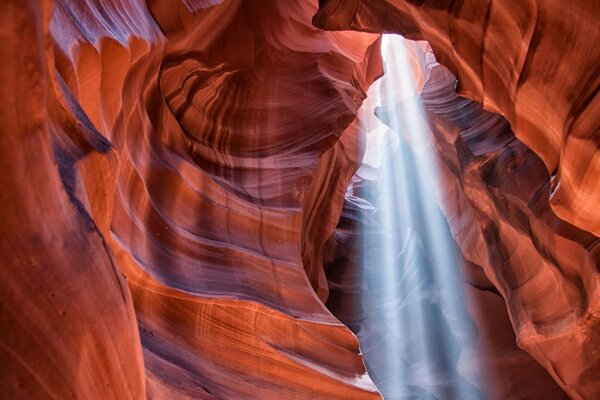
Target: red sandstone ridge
[
  {"x": 174, "y": 176},
  {"x": 497, "y": 191},
  {"x": 517, "y": 249},
  {"x": 537, "y": 63},
  {"x": 173, "y": 154}
]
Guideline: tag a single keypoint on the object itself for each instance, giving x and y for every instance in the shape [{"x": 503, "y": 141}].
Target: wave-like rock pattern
[
  {"x": 479, "y": 200},
  {"x": 545, "y": 268},
  {"x": 173, "y": 173},
  {"x": 535, "y": 62},
  {"x": 505, "y": 55},
  {"x": 189, "y": 160},
  {"x": 496, "y": 192},
  {"x": 67, "y": 319}
]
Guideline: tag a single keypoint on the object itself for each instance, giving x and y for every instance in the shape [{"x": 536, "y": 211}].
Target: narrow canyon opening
[
  {"x": 413, "y": 282},
  {"x": 332, "y": 199},
  {"x": 430, "y": 324}
]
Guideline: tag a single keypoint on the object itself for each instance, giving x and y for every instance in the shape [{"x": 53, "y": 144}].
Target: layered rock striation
[
  {"x": 514, "y": 247},
  {"x": 166, "y": 170},
  {"x": 524, "y": 214},
  {"x": 174, "y": 173},
  {"x": 534, "y": 62},
  {"x": 545, "y": 268}
]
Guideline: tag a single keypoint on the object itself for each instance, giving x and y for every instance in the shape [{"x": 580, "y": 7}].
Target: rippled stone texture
[
  {"x": 467, "y": 140},
  {"x": 173, "y": 172},
  {"x": 173, "y": 157},
  {"x": 496, "y": 193},
  {"x": 545, "y": 268},
  {"x": 535, "y": 62},
  {"x": 68, "y": 326}
]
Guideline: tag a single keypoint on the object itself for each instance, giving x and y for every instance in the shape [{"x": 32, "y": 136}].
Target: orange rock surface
[
  {"x": 518, "y": 254},
  {"x": 546, "y": 269},
  {"x": 159, "y": 157},
  {"x": 535, "y": 62},
  {"x": 526, "y": 215},
  {"x": 174, "y": 174}
]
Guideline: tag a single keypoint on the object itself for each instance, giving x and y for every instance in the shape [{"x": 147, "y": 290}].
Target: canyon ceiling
[{"x": 175, "y": 213}]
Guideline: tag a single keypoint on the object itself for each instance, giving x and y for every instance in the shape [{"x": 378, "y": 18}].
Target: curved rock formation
[
  {"x": 173, "y": 148},
  {"x": 174, "y": 173},
  {"x": 468, "y": 141},
  {"x": 534, "y": 62},
  {"x": 546, "y": 269},
  {"x": 67, "y": 319},
  {"x": 496, "y": 204}
]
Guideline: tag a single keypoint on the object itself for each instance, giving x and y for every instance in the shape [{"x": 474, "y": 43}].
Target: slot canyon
[{"x": 300, "y": 199}]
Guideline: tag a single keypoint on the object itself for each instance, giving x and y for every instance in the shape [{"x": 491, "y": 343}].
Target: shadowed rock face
[
  {"x": 515, "y": 250},
  {"x": 174, "y": 172},
  {"x": 535, "y": 62},
  {"x": 172, "y": 158},
  {"x": 497, "y": 190},
  {"x": 545, "y": 268}
]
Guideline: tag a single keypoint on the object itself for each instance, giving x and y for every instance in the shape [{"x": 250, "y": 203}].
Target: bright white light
[{"x": 412, "y": 276}]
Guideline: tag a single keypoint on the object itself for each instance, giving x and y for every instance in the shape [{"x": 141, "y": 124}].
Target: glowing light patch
[{"x": 413, "y": 283}]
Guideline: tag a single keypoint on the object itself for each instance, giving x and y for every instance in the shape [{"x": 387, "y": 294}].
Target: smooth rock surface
[
  {"x": 535, "y": 62},
  {"x": 175, "y": 220},
  {"x": 171, "y": 157}
]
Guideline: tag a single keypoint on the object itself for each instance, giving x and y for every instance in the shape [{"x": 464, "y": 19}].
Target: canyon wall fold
[
  {"x": 176, "y": 221},
  {"x": 517, "y": 252},
  {"x": 545, "y": 268},
  {"x": 535, "y": 62},
  {"x": 177, "y": 155},
  {"x": 68, "y": 326}
]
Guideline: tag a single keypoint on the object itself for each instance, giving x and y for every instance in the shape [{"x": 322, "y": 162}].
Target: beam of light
[{"x": 414, "y": 285}]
